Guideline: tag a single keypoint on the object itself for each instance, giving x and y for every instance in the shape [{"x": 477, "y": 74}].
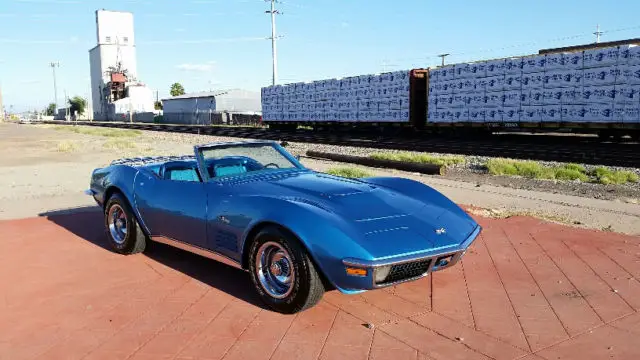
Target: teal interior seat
[
  {"x": 181, "y": 171},
  {"x": 183, "y": 175},
  {"x": 229, "y": 169}
]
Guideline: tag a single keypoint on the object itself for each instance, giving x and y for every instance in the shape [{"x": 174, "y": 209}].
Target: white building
[
  {"x": 115, "y": 52},
  {"x": 211, "y": 107}
]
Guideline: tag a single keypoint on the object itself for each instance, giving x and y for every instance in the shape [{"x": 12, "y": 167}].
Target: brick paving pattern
[{"x": 527, "y": 289}]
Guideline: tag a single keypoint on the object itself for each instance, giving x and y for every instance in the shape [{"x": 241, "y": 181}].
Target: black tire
[
  {"x": 135, "y": 240},
  {"x": 307, "y": 284}
]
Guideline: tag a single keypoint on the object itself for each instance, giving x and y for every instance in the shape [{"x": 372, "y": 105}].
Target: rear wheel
[
  {"x": 282, "y": 272},
  {"x": 123, "y": 231}
]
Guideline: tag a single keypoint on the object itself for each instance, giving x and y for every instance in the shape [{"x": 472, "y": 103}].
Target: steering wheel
[{"x": 274, "y": 164}]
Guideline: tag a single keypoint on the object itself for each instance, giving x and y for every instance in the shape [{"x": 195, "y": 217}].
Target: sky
[{"x": 222, "y": 44}]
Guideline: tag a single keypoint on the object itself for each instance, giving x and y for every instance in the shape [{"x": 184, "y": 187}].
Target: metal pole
[
  {"x": 55, "y": 85},
  {"x": 597, "y": 33},
  {"x": 274, "y": 51},
  {"x": 443, "y": 56}
]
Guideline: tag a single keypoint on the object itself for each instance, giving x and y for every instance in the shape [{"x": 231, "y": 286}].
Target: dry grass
[
  {"x": 348, "y": 172},
  {"x": 419, "y": 158},
  {"x": 67, "y": 146},
  {"x": 98, "y": 131},
  {"x": 571, "y": 172},
  {"x": 119, "y": 144}
]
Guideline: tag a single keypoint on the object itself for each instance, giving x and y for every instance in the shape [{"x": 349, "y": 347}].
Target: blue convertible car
[{"x": 296, "y": 231}]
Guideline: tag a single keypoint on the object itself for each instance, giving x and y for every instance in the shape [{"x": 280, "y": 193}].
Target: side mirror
[{"x": 298, "y": 157}]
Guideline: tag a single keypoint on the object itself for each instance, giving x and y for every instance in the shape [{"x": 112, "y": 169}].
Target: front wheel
[
  {"x": 123, "y": 231},
  {"x": 282, "y": 272}
]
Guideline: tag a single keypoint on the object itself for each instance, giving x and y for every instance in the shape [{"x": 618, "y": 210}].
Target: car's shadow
[{"x": 88, "y": 224}]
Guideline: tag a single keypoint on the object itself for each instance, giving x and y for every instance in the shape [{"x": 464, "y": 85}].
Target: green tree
[
  {"x": 158, "y": 105},
  {"x": 77, "y": 103},
  {"x": 50, "y": 110},
  {"x": 177, "y": 89}
]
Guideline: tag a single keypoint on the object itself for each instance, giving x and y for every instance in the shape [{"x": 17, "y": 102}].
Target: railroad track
[{"x": 560, "y": 148}]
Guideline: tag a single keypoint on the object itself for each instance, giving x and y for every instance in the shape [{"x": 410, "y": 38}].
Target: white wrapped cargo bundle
[
  {"x": 593, "y": 58},
  {"x": 629, "y": 55},
  {"x": 571, "y": 95},
  {"x": 511, "y": 98},
  {"x": 494, "y": 99},
  {"x": 495, "y": 83},
  {"x": 476, "y": 115},
  {"x": 602, "y": 75},
  {"x": 554, "y": 62},
  {"x": 573, "y": 113},
  {"x": 533, "y": 80},
  {"x": 600, "y": 113},
  {"x": 598, "y": 94},
  {"x": 513, "y": 82},
  {"x": 531, "y": 114},
  {"x": 495, "y": 67},
  {"x": 493, "y": 114},
  {"x": 536, "y": 96},
  {"x": 552, "y": 113},
  {"x": 460, "y": 115},
  {"x": 631, "y": 114},
  {"x": 511, "y": 114},
  {"x": 552, "y": 96},
  {"x": 630, "y": 74},
  {"x": 628, "y": 94},
  {"x": 513, "y": 66},
  {"x": 477, "y": 100},
  {"x": 533, "y": 64}
]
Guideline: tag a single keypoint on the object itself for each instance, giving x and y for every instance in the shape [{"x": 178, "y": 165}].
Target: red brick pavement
[{"x": 527, "y": 289}]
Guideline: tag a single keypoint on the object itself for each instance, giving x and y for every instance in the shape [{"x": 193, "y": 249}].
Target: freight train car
[{"x": 591, "y": 90}]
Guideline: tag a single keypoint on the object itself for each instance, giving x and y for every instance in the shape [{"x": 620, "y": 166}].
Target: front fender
[
  {"x": 417, "y": 190},
  {"x": 327, "y": 237}
]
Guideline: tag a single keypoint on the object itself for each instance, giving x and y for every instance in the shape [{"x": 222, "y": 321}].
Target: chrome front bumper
[{"x": 416, "y": 266}]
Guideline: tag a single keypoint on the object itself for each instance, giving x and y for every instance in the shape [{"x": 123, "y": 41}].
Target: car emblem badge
[{"x": 440, "y": 231}]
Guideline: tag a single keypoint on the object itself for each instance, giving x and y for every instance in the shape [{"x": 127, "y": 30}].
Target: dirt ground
[{"x": 43, "y": 169}]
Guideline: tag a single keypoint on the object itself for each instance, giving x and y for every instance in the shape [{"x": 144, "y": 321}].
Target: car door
[
  {"x": 175, "y": 209},
  {"x": 227, "y": 221}
]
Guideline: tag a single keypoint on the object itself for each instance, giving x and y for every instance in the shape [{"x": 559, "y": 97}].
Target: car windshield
[{"x": 222, "y": 161}]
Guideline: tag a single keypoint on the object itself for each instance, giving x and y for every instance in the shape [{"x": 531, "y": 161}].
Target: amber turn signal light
[{"x": 356, "y": 271}]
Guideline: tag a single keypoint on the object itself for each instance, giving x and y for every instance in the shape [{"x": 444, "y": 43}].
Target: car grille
[{"x": 406, "y": 271}]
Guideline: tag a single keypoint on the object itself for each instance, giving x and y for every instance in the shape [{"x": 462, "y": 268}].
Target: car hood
[{"x": 386, "y": 220}]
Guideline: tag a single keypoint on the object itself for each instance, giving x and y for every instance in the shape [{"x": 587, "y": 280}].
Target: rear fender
[{"x": 121, "y": 178}]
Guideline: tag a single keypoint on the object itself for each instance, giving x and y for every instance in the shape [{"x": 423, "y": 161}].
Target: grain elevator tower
[{"x": 112, "y": 61}]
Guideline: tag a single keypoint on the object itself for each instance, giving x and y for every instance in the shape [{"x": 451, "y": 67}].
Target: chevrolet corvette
[{"x": 297, "y": 232}]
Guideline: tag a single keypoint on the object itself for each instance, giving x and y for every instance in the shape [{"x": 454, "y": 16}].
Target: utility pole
[
  {"x": 1, "y": 107},
  {"x": 598, "y": 33},
  {"x": 66, "y": 109},
  {"x": 53, "y": 65},
  {"x": 274, "y": 52},
  {"x": 443, "y": 56}
]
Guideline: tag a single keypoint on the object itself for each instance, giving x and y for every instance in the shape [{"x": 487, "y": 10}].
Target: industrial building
[
  {"x": 234, "y": 106},
  {"x": 115, "y": 88}
]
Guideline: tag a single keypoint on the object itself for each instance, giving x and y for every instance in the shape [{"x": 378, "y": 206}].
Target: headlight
[{"x": 381, "y": 273}]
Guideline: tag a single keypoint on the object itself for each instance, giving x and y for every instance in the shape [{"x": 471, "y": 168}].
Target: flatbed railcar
[{"x": 419, "y": 102}]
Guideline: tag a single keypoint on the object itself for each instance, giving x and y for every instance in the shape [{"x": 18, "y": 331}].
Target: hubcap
[
  {"x": 274, "y": 269},
  {"x": 117, "y": 221}
]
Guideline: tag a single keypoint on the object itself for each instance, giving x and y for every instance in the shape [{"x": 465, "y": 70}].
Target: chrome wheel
[
  {"x": 274, "y": 269},
  {"x": 117, "y": 221}
]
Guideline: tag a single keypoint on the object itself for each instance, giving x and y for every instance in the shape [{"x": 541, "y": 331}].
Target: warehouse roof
[{"x": 236, "y": 100}]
